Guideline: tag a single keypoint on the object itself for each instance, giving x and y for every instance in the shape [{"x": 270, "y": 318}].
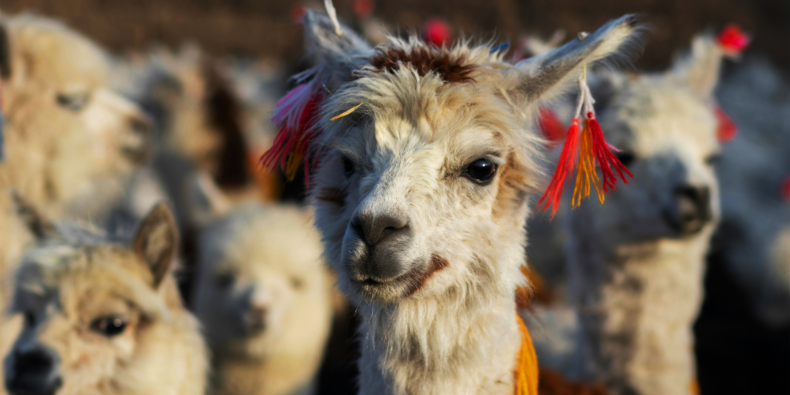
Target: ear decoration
[
  {"x": 732, "y": 41},
  {"x": 296, "y": 113},
  {"x": 592, "y": 150}
]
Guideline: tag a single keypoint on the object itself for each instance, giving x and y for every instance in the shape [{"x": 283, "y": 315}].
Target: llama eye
[
  {"x": 625, "y": 157},
  {"x": 296, "y": 283},
  {"x": 481, "y": 171},
  {"x": 348, "y": 166},
  {"x": 73, "y": 102},
  {"x": 713, "y": 159},
  {"x": 109, "y": 326}
]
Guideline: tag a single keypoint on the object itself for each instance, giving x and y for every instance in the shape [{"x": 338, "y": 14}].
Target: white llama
[
  {"x": 421, "y": 196},
  {"x": 636, "y": 266},
  {"x": 262, "y": 296}
]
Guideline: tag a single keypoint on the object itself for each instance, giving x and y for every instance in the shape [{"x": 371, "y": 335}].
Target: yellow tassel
[
  {"x": 345, "y": 113},
  {"x": 527, "y": 366},
  {"x": 586, "y": 170}
]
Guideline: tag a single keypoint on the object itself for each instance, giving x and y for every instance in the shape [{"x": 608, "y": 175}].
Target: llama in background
[
  {"x": 262, "y": 295},
  {"x": 636, "y": 266},
  {"x": 102, "y": 317},
  {"x": 421, "y": 197}
]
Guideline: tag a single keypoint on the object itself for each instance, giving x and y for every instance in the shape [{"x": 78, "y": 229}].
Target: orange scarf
[{"x": 527, "y": 364}]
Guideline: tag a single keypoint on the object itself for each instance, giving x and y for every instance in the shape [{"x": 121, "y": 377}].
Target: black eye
[
  {"x": 348, "y": 166},
  {"x": 109, "y": 326},
  {"x": 224, "y": 281},
  {"x": 73, "y": 102},
  {"x": 296, "y": 282},
  {"x": 625, "y": 157},
  {"x": 713, "y": 159},
  {"x": 481, "y": 170}
]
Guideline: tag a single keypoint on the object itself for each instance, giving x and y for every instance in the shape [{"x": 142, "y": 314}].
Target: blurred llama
[
  {"x": 262, "y": 296},
  {"x": 103, "y": 316},
  {"x": 425, "y": 159},
  {"x": 636, "y": 266}
]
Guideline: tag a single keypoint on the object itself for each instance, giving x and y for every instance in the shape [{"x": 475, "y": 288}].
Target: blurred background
[{"x": 738, "y": 349}]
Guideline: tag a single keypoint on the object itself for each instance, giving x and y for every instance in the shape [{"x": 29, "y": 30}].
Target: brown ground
[{"x": 265, "y": 27}]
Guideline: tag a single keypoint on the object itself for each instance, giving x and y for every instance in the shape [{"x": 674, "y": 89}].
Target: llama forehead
[{"x": 654, "y": 115}]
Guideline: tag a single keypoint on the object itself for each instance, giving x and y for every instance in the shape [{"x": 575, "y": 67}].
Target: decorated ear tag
[
  {"x": 584, "y": 150},
  {"x": 732, "y": 40},
  {"x": 727, "y": 129}
]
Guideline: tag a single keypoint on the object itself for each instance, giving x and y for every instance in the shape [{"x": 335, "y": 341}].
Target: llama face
[
  {"x": 667, "y": 137},
  {"x": 92, "y": 308},
  {"x": 259, "y": 281},
  {"x": 404, "y": 186},
  {"x": 57, "y": 98}
]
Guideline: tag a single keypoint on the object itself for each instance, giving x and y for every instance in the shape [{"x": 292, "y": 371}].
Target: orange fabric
[{"x": 527, "y": 364}]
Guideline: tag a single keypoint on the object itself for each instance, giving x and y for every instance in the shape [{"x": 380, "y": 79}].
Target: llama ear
[
  {"x": 5, "y": 50},
  {"x": 156, "y": 242},
  {"x": 206, "y": 202},
  {"x": 699, "y": 69},
  {"x": 41, "y": 227},
  {"x": 545, "y": 76},
  {"x": 330, "y": 42}
]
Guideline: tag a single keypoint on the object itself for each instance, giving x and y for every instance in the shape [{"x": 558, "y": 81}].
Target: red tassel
[
  {"x": 551, "y": 127},
  {"x": 605, "y": 158},
  {"x": 733, "y": 40},
  {"x": 567, "y": 161},
  {"x": 727, "y": 129},
  {"x": 296, "y": 113}
]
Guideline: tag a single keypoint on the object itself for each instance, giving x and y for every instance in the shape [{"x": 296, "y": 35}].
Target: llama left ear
[
  {"x": 156, "y": 242},
  {"x": 329, "y": 42},
  {"x": 545, "y": 76}
]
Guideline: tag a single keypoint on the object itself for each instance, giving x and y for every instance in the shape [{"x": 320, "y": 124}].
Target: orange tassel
[{"x": 527, "y": 366}]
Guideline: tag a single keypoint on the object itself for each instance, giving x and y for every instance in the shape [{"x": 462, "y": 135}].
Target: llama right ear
[
  {"x": 37, "y": 223},
  {"x": 549, "y": 74},
  {"x": 5, "y": 50},
  {"x": 156, "y": 242},
  {"x": 333, "y": 44}
]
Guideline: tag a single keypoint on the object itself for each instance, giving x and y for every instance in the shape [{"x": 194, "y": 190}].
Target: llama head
[
  {"x": 666, "y": 127},
  {"x": 422, "y": 189},
  {"x": 93, "y": 307},
  {"x": 56, "y": 101},
  {"x": 260, "y": 287}
]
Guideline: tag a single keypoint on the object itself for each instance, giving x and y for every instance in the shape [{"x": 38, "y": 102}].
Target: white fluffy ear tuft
[
  {"x": 699, "y": 69},
  {"x": 550, "y": 73}
]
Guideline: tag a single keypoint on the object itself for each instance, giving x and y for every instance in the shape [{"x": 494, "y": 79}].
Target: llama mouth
[{"x": 411, "y": 281}]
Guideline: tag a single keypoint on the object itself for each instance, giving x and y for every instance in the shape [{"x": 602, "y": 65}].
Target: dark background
[{"x": 267, "y": 28}]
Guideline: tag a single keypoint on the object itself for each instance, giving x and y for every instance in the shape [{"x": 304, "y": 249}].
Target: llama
[
  {"x": 636, "y": 266},
  {"x": 425, "y": 159},
  {"x": 67, "y": 136},
  {"x": 262, "y": 296},
  {"x": 102, "y": 316}
]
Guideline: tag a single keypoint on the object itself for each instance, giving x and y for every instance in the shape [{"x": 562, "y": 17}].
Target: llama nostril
[
  {"x": 693, "y": 209},
  {"x": 140, "y": 125},
  {"x": 34, "y": 371},
  {"x": 256, "y": 320}
]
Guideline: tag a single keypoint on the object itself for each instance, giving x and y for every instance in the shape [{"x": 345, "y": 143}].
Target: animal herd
[{"x": 143, "y": 249}]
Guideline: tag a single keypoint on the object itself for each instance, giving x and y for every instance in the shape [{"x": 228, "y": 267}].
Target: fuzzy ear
[
  {"x": 41, "y": 227},
  {"x": 5, "y": 50},
  {"x": 324, "y": 45},
  {"x": 206, "y": 201},
  {"x": 699, "y": 70},
  {"x": 156, "y": 242},
  {"x": 550, "y": 73}
]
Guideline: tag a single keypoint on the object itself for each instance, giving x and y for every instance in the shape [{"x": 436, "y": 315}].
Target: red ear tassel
[
  {"x": 296, "y": 113},
  {"x": 727, "y": 129},
  {"x": 592, "y": 151},
  {"x": 733, "y": 40}
]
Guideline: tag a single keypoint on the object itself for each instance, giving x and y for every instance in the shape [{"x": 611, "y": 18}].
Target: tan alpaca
[
  {"x": 636, "y": 264},
  {"x": 421, "y": 198},
  {"x": 263, "y": 297},
  {"x": 66, "y": 135},
  {"x": 102, "y": 316}
]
